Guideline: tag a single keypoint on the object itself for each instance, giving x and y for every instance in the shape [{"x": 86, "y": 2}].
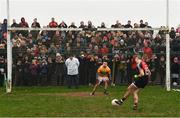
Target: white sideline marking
[{"x": 176, "y": 90}]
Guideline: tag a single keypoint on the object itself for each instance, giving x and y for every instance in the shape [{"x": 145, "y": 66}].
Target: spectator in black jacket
[
  {"x": 72, "y": 25},
  {"x": 142, "y": 25},
  {"x": 43, "y": 70},
  {"x": 175, "y": 70},
  {"x": 91, "y": 70},
  {"x": 102, "y": 25},
  {"x": 147, "y": 26},
  {"x": 26, "y": 71},
  {"x": 83, "y": 68},
  {"x": 35, "y": 24},
  {"x": 33, "y": 68},
  {"x": 116, "y": 61},
  {"x": 172, "y": 33},
  {"x": 2, "y": 70},
  {"x": 117, "y": 25},
  {"x": 82, "y": 25},
  {"x": 50, "y": 73},
  {"x": 175, "y": 44},
  {"x": 18, "y": 80},
  {"x": 14, "y": 25},
  {"x": 4, "y": 26},
  {"x": 62, "y": 25},
  {"x": 128, "y": 25},
  {"x": 58, "y": 77},
  {"x": 90, "y": 25},
  {"x": 162, "y": 69}
]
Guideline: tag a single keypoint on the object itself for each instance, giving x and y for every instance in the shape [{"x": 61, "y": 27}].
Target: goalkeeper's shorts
[
  {"x": 141, "y": 82},
  {"x": 102, "y": 79}
]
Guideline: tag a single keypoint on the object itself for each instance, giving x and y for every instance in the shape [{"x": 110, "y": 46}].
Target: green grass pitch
[{"x": 59, "y": 101}]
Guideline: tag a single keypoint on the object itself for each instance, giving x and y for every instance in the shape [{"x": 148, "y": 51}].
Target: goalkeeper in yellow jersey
[{"x": 104, "y": 75}]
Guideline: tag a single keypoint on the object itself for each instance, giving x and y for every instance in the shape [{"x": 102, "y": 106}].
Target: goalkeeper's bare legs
[
  {"x": 105, "y": 87},
  {"x": 97, "y": 84},
  {"x": 94, "y": 89}
]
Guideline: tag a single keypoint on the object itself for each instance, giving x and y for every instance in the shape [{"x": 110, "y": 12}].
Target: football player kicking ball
[
  {"x": 140, "y": 81},
  {"x": 104, "y": 75}
]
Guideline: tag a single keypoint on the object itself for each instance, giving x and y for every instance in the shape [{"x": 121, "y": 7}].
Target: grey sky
[{"x": 152, "y": 11}]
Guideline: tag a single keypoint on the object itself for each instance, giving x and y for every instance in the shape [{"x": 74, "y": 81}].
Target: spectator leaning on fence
[
  {"x": 35, "y": 24},
  {"x": 62, "y": 25},
  {"x": 53, "y": 23},
  {"x": 24, "y": 24},
  {"x": 72, "y": 64}
]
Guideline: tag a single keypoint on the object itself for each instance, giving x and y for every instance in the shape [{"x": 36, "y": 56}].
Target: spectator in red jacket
[
  {"x": 104, "y": 49},
  {"x": 147, "y": 50},
  {"x": 24, "y": 24},
  {"x": 53, "y": 23}
]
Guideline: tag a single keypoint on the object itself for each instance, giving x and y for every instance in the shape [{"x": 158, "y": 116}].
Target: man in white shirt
[{"x": 72, "y": 64}]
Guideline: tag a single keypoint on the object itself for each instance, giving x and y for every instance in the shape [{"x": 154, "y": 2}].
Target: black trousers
[
  {"x": 57, "y": 79},
  {"x": 1, "y": 79},
  {"x": 72, "y": 80}
]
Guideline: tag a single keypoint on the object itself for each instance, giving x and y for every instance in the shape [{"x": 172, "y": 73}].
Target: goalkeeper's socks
[
  {"x": 135, "y": 106},
  {"x": 105, "y": 92},
  {"x": 92, "y": 93}
]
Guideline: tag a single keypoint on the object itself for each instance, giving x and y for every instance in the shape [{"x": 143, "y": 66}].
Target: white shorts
[{"x": 102, "y": 79}]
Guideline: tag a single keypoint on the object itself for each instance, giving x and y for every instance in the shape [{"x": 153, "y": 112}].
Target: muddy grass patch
[{"x": 71, "y": 94}]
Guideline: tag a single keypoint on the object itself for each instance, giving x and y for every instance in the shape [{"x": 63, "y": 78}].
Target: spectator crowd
[{"x": 39, "y": 56}]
